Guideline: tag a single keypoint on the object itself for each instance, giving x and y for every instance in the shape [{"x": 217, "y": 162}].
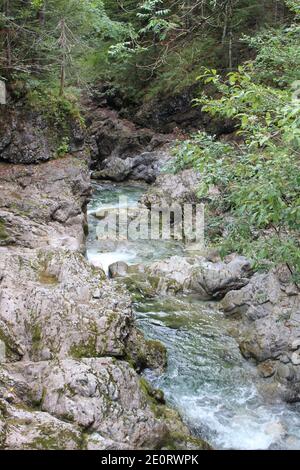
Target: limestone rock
[
  {"x": 34, "y": 430},
  {"x": 48, "y": 308},
  {"x": 94, "y": 404},
  {"x": 118, "y": 269},
  {"x": 44, "y": 205},
  {"x": 144, "y": 166},
  {"x": 100, "y": 395},
  {"x": 214, "y": 280},
  {"x": 208, "y": 279},
  {"x": 269, "y": 326},
  {"x": 120, "y": 150},
  {"x": 26, "y": 136},
  {"x": 169, "y": 189}
]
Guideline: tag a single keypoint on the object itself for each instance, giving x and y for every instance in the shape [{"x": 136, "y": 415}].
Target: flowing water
[{"x": 207, "y": 379}]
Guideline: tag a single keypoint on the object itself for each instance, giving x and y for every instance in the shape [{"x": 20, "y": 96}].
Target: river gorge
[
  {"x": 217, "y": 392},
  {"x": 110, "y": 344}
]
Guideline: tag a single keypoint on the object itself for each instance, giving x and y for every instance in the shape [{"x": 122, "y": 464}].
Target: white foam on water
[
  {"x": 104, "y": 260},
  {"x": 110, "y": 207},
  {"x": 245, "y": 429}
]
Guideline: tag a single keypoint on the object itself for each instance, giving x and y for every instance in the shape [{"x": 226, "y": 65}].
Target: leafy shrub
[
  {"x": 258, "y": 178},
  {"x": 58, "y": 110}
]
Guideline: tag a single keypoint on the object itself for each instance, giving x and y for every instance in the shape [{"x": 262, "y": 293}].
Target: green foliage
[
  {"x": 58, "y": 110},
  {"x": 257, "y": 175},
  {"x": 258, "y": 196},
  {"x": 156, "y": 19},
  {"x": 180, "y": 69},
  {"x": 294, "y": 6},
  {"x": 170, "y": 41},
  {"x": 278, "y": 58},
  {"x": 64, "y": 147},
  {"x": 35, "y": 45},
  {"x": 146, "y": 48}
]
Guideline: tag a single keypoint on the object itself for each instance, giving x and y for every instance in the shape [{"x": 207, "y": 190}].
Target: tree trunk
[
  {"x": 42, "y": 14},
  {"x": 230, "y": 51},
  {"x": 63, "y": 45},
  {"x": 62, "y": 77},
  {"x": 7, "y": 42},
  {"x": 188, "y": 14}
]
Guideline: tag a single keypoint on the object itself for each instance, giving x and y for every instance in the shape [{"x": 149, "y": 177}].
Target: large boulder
[
  {"x": 54, "y": 304},
  {"x": 210, "y": 280},
  {"x": 118, "y": 269},
  {"x": 44, "y": 205},
  {"x": 26, "y": 136},
  {"x": 214, "y": 280},
  {"x": 120, "y": 150},
  {"x": 268, "y": 309},
  {"x": 144, "y": 166},
  {"x": 100, "y": 396},
  {"x": 35, "y": 430},
  {"x": 94, "y": 404},
  {"x": 179, "y": 188},
  {"x": 111, "y": 136}
]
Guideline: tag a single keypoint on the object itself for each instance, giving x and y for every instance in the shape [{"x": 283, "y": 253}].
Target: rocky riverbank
[
  {"x": 264, "y": 307},
  {"x": 71, "y": 352},
  {"x": 220, "y": 394},
  {"x": 68, "y": 378}
]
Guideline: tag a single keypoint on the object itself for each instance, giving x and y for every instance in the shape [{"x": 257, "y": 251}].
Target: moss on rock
[
  {"x": 178, "y": 436},
  {"x": 4, "y": 236},
  {"x": 143, "y": 353}
]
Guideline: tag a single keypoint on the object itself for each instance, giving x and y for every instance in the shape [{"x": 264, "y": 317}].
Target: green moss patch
[{"x": 3, "y": 233}]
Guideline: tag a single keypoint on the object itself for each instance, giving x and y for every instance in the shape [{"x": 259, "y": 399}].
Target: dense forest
[{"x": 240, "y": 58}]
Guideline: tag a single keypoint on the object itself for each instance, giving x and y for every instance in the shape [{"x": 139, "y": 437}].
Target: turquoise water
[
  {"x": 207, "y": 379},
  {"x": 103, "y": 253}
]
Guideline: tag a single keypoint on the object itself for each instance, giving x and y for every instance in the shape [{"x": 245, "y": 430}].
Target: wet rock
[
  {"x": 26, "y": 136},
  {"x": 284, "y": 371},
  {"x": 269, "y": 326},
  {"x": 169, "y": 189},
  {"x": 118, "y": 269},
  {"x": 209, "y": 280},
  {"x": 146, "y": 354},
  {"x": 267, "y": 369},
  {"x": 43, "y": 205},
  {"x": 121, "y": 151}
]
